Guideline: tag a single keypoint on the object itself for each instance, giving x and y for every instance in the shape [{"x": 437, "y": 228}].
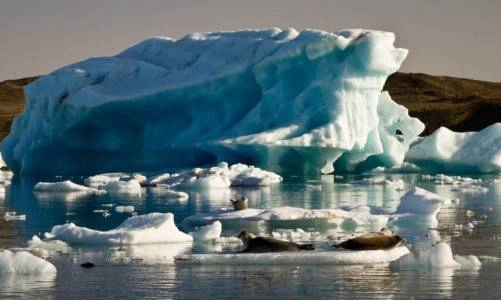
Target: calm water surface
[{"x": 148, "y": 271}]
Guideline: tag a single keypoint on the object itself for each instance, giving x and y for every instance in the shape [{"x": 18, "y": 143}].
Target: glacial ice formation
[
  {"x": 285, "y": 100},
  {"x": 24, "y": 263},
  {"x": 343, "y": 257},
  {"x": 144, "y": 229},
  {"x": 459, "y": 152}
]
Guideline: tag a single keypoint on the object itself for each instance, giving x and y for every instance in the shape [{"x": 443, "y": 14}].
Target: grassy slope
[{"x": 457, "y": 103}]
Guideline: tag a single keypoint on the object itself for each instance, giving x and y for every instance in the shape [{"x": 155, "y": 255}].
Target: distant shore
[{"x": 456, "y": 103}]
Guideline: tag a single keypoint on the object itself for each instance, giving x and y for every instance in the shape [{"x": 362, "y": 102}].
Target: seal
[
  {"x": 241, "y": 203},
  {"x": 383, "y": 240},
  {"x": 87, "y": 265},
  {"x": 268, "y": 244}
]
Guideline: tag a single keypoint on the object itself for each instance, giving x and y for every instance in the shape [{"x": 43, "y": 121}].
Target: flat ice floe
[
  {"x": 359, "y": 216},
  {"x": 65, "y": 187},
  {"x": 24, "y": 263},
  {"x": 13, "y": 216},
  {"x": 144, "y": 229},
  {"x": 335, "y": 257},
  {"x": 460, "y": 152}
]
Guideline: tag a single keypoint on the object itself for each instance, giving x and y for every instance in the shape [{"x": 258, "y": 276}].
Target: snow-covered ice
[
  {"x": 123, "y": 187},
  {"x": 24, "y": 263},
  {"x": 460, "y": 152},
  {"x": 343, "y": 257},
  {"x": 65, "y": 187},
  {"x": 284, "y": 100},
  {"x": 47, "y": 248},
  {"x": 143, "y": 229}
]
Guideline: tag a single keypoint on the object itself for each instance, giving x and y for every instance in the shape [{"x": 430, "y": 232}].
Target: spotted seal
[{"x": 241, "y": 203}]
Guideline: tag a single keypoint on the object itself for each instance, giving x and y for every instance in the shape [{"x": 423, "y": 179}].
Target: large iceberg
[
  {"x": 281, "y": 99},
  {"x": 459, "y": 152}
]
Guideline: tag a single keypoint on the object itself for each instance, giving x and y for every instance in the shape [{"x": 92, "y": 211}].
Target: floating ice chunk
[
  {"x": 24, "y": 263},
  {"x": 243, "y": 175},
  {"x": 123, "y": 187},
  {"x": 289, "y": 100},
  {"x": 204, "y": 183},
  {"x": 124, "y": 209},
  {"x": 359, "y": 216},
  {"x": 465, "y": 152},
  {"x": 12, "y": 215},
  {"x": 342, "y": 257},
  {"x": 144, "y": 229},
  {"x": 208, "y": 233},
  {"x": 159, "y": 179},
  {"x": 470, "y": 262},
  {"x": 47, "y": 248},
  {"x": 436, "y": 256},
  {"x": 65, "y": 187},
  {"x": 98, "y": 181},
  {"x": 419, "y": 207}
]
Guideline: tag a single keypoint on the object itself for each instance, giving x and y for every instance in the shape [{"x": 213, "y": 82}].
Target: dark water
[{"x": 148, "y": 271}]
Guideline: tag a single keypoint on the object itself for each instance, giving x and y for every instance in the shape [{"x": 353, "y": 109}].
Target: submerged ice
[{"x": 286, "y": 100}]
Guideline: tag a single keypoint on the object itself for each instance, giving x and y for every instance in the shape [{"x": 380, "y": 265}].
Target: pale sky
[{"x": 445, "y": 37}]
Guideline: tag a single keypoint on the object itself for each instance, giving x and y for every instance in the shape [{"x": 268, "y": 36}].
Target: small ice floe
[
  {"x": 436, "y": 256},
  {"x": 399, "y": 183},
  {"x": 342, "y": 257},
  {"x": 13, "y": 216},
  {"x": 419, "y": 207},
  {"x": 470, "y": 226},
  {"x": 24, "y": 263},
  {"x": 208, "y": 233},
  {"x": 166, "y": 192},
  {"x": 143, "y": 229},
  {"x": 107, "y": 205},
  {"x": 470, "y": 213},
  {"x": 47, "y": 248},
  {"x": 123, "y": 187},
  {"x": 359, "y": 216},
  {"x": 220, "y": 176},
  {"x": 65, "y": 187},
  {"x": 124, "y": 209},
  {"x": 98, "y": 181}
]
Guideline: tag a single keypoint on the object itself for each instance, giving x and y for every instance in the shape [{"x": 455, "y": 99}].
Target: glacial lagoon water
[{"x": 149, "y": 272}]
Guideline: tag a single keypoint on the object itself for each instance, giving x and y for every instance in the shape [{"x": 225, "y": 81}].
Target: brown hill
[{"x": 457, "y": 103}]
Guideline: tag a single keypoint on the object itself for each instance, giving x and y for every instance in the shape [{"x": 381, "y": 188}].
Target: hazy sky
[{"x": 446, "y": 37}]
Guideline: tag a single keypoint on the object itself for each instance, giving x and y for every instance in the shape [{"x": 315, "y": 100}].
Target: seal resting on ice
[
  {"x": 268, "y": 244},
  {"x": 383, "y": 240}
]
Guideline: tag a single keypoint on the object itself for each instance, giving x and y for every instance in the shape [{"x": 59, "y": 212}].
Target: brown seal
[
  {"x": 240, "y": 204},
  {"x": 267, "y": 244},
  {"x": 383, "y": 240}
]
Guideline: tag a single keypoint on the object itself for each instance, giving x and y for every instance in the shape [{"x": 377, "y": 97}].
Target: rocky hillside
[{"x": 457, "y": 103}]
